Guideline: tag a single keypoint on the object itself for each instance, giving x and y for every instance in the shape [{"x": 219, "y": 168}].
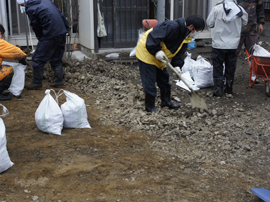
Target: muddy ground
[{"x": 130, "y": 155}]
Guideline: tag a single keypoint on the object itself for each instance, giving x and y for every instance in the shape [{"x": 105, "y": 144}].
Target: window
[
  {"x": 18, "y": 21},
  {"x": 185, "y": 8},
  {"x": 266, "y": 5}
]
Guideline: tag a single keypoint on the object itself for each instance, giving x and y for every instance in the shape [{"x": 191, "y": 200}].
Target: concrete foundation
[{"x": 266, "y": 29}]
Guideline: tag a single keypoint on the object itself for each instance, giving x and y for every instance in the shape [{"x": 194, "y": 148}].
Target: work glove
[
  {"x": 178, "y": 70},
  {"x": 160, "y": 55},
  {"x": 23, "y": 61}
]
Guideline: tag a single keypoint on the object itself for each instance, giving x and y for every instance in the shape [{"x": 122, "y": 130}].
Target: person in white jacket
[{"x": 227, "y": 18}]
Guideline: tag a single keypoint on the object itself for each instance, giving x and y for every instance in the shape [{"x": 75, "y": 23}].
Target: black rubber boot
[
  {"x": 150, "y": 103},
  {"x": 37, "y": 79},
  {"x": 5, "y": 97},
  {"x": 4, "y": 84},
  {"x": 58, "y": 76},
  {"x": 218, "y": 90},
  {"x": 165, "y": 96},
  {"x": 228, "y": 88}
]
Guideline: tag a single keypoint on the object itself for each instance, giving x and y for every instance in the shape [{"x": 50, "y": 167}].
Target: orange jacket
[
  {"x": 9, "y": 51},
  {"x": 5, "y": 70}
]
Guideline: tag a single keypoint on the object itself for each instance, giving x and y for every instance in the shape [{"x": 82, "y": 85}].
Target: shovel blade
[{"x": 197, "y": 100}]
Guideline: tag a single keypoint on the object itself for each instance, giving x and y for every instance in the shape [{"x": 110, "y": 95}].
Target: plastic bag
[
  {"x": 17, "y": 83},
  {"x": 101, "y": 30},
  {"x": 74, "y": 111},
  {"x": 112, "y": 55},
  {"x": 188, "y": 65},
  {"x": 140, "y": 33},
  {"x": 192, "y": 44},
  {"x": 48, "y": 116},
  {"x": 203, "y": 73},
  {"x": 260, "y": 51},
  {"x": 186, "y": 76},
  {"x": 5, "y": 162}
]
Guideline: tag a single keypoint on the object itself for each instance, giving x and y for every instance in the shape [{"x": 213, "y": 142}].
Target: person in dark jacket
[
  {"x": 50, "y": 27},
  {"x": 250, "y": 33},
  {"x": 166, "y": 40}
]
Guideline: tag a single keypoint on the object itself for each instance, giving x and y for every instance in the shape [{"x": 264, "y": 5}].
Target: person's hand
[
  {"x": 23, "y": 61},
  {"x": 160, "y": 55},
  {"x": 260, "y": 28},
  {"x": 178, "y": 70}
]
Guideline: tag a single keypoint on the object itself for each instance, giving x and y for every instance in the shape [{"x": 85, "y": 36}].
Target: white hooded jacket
[{"x": 227, "y": 25}]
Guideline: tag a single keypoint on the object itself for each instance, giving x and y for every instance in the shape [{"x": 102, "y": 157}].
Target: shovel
[{"x": 196, "y": 97}]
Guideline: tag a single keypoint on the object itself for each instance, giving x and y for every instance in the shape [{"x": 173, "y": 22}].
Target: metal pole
[
  {"x": 10, "y": 18},
  {"x": 183, "y": 9},
  {"x": 26, "y": 30},
  {"x": 161, "y": 11},
  {"x": 172, "y": 10},
  {"x": 4, "y": 17}
]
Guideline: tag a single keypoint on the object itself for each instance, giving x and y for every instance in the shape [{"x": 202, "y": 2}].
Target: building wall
[
  {"x": 86, "y": 24},
  {"x": 185, "y": 8}
]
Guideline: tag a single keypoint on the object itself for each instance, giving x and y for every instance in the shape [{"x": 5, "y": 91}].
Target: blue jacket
[{"x": 46, "y": 19}]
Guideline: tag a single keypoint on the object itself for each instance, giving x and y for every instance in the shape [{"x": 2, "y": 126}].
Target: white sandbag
[
  {"x": 74, "y": 111},
  {"x": 188, "y": 65},
  {"x": 17, "y": 83},
  {"x": 260, "y": 51},
  {"x": 203, "y": 73},
  {"x": 5, "y": 162},
  {"x": 48, "y": 116},
  {"x": 186, "y": 76},
  {"x": 140, "y": 33}
]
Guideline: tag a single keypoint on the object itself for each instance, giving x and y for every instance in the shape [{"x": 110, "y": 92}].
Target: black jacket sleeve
[
  {"x": 179, "y": 58},
  {"x": 172, "y": 33},
  {"x": 65, "y": 21},
  {"x": 162, "y": 32},
  {"x": 35, "y": 23}
]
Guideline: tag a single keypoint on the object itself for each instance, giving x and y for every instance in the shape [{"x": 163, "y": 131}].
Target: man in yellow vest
[
  {"x": 9, "y": 51},
  {"x": 166, "y": 40}
]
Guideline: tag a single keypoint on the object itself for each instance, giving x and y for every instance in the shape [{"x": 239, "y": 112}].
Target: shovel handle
[{"x": 179, "y": 75}]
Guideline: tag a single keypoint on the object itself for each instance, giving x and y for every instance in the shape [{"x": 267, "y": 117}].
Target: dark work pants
[
  {"x": 227, "y": 56},
  {"x": 5, "y": 83},
  {"x": 51, "y": 50},
  {"x": 248, "y": 42},
  {"x": 150, "y": 74}
]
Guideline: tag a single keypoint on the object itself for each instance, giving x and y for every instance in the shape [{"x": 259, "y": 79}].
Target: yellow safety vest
[{"x": 143, "y": 54}]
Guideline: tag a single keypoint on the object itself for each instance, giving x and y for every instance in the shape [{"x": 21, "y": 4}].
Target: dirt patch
[{"x": 131, "y": 155}]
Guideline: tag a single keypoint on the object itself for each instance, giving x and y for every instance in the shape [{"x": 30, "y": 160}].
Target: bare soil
[{"x": 130, "y": 155}]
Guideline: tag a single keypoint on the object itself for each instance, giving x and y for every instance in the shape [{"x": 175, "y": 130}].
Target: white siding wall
[{"x": 86, "y": 24}]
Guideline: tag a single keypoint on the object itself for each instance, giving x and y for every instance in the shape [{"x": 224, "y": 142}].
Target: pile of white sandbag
[
  {"x": 5, "y": 162},
  {"x": 50, "y": 118},
  {"x": 260, "y": 51},
  {"x": 17, "y": 82},
  {"x": 197, "y": 73}
]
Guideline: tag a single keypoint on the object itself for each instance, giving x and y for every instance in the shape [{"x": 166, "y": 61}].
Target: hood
[
  {"x": 182, "y": 23},
  {"x": 20, "y": 1},
  {"x": 222, "y": 1},
  {"x": 231, "y": 11},
  {"x": 32, "y": 2}
]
